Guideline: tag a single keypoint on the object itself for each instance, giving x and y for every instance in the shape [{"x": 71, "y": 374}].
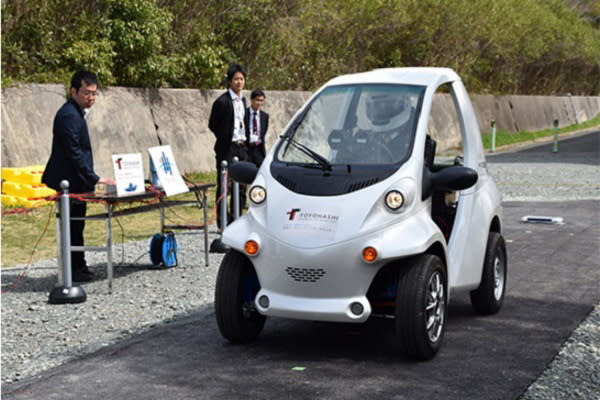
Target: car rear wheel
[
  {"x": 236, "y": 288},
  {"x": 421, "y": 307},
  {"x": 488, "y": 297}
]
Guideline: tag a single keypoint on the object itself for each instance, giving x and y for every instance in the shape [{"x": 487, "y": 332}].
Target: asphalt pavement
[{"x": 552, "y": 286}]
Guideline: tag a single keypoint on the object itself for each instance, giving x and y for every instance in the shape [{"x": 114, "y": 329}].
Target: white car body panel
[{"x": 324, "y": 237}]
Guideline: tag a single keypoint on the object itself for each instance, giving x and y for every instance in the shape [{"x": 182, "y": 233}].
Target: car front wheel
[
  {"x": 421, "y": 307},
  {"x": 236, "y": 288}
]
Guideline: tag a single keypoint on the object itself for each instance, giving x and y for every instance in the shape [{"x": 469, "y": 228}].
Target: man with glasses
[{"x": 71, "y": 159}]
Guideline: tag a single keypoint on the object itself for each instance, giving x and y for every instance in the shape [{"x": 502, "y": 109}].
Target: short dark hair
[
  {"x": 257, "y": 93},
  {"x": 233, "y": 68},
  {"x": 83, "y": 76}
]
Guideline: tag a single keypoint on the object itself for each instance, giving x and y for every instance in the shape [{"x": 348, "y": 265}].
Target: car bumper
[
  {"x": 323, "y": 283},
  {"x": 332, "y": 309}
]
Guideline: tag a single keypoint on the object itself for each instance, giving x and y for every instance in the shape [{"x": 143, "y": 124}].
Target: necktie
[{"x": 255, "y": 127}]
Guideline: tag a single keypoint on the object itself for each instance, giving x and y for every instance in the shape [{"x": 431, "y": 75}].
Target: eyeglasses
[{"x": 93, "y": 93}]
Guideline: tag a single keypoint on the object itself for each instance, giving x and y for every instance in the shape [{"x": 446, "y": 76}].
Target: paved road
[
  {"x": 552, "y": 286},
  {"x": 536, "y": 173},
  {"x": 586, "y": 143},
  {"x": 581, "y": 148}
]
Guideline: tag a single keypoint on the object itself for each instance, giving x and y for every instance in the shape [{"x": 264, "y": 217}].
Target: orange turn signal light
[
  {"x": 251, "y": 247},
  {"x": 369, "y": 254}
]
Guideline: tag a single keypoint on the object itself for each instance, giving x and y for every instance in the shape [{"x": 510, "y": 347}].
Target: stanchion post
[
  {"x": 223, "y": 195},
  {"x": 65, "y": 234},
  {"x": 66, "y": 293},
  {"x": 493, "y": 124},
  {"x": 217, "y": 245},
  {"x": 61, "y": 279},
  {"x": 236, "y": 195},
  {"x": 555, "y": 141}
]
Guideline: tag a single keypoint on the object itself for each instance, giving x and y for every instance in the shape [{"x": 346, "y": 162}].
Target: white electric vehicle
[{"x": 351, "y": 217}]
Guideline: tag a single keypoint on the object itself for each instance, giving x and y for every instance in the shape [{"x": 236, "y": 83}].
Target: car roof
[{"x": 425, "y": 76}]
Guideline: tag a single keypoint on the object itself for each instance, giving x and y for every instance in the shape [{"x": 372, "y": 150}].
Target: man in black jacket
[
  {"x": 227, "y": 124},
  {"x": 71, "y": 159},
  {"x": 257, "y": 123}
]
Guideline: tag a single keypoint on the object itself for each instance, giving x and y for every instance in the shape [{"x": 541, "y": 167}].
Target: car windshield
[{"x": 354, "y": 124}]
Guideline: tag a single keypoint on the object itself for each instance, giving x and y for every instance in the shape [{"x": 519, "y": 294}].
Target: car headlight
[
  {"x": 258, "y": 194},
  {"x": 394, "y": 199}
]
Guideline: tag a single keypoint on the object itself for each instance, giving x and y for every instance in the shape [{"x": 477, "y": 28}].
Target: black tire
[
  {"x": 488, "y": 297},
  {"x": 422, "y": 283},
  {"x": 237, "y": 285}
]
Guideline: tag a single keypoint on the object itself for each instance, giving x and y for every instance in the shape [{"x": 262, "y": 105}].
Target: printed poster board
[
  {"x": 167, "y": 171},
  {"x": 129, "y": 174}
]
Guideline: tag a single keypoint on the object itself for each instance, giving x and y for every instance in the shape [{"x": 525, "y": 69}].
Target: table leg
[
  {"x": 205, "y": 212},
  {"x": 109, "y": 264},
  {"x": 201, "y": 201},
  {"x": 162, "y": 220}
]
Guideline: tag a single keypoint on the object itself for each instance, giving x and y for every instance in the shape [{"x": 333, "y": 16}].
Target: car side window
[{"x": 444, "y": 127}]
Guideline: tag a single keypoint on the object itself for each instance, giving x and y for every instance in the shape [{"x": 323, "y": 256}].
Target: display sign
[
  {"x": 166, "y": 170},
  {"x": 129, "y": 173}
]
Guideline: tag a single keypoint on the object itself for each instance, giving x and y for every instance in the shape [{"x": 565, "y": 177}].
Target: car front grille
[
  {"x": 310, "y": 275},
  {"x": 288, "y": 183},
  {"x": 361, "y": 184}
]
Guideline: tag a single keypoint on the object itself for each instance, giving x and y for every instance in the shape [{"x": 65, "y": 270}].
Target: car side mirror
[
  {"x": 243, "y": 172},
  {"x": 448, "y": 179},
  {"x": 454, "y": 178}
]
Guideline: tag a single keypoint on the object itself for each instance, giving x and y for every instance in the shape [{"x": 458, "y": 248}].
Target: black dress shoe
[{"x": 82, "y": 275}]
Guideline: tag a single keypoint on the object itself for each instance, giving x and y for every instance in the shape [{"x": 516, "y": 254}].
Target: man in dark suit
[
  {"x": 227, "y": 124},
  {"x": 257, "y": 123},
  {"x": 71, "y": 159}
]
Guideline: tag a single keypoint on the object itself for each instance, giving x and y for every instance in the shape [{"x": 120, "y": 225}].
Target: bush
[{"x": 504, "y": 46}]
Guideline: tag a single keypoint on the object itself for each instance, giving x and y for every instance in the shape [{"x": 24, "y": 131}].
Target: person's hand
[{"x": 107, "y": 181}]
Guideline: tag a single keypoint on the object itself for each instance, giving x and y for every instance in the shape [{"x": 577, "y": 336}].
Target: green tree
[
  {"x": 502, "y": 46},
  {"x": 126, "y": 42},
  {"x": 43, "y": 41}
]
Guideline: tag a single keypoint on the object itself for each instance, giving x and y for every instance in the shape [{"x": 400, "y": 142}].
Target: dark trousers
[
  {"x": 255, "y": 155},
  {"x": 241, "y": 153},
  {"x": 77, "y": 209}
]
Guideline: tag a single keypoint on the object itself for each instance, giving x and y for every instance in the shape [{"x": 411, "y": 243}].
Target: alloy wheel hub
[{"x": 435, "y": 308}]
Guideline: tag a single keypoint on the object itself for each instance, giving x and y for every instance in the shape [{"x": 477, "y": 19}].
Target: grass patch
[
  {"x": 32, "y": 235},
  {"x": 509, "y": 138}
]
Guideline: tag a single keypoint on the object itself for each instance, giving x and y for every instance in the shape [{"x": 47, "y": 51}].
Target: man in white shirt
[
  {"x": 227, "y": 124},
  {"x": 257, "y": 123}
]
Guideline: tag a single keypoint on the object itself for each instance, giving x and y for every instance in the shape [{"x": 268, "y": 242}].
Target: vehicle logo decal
[
  {"x": 319, "y": 224},
  {"x": 292, "y": 213}
]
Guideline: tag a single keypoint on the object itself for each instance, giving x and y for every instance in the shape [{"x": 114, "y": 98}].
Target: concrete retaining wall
[
  {"x": 128, "y": 120},
  {"x": 27, "y": 114},
  {"x": 533, "y": 113}
]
